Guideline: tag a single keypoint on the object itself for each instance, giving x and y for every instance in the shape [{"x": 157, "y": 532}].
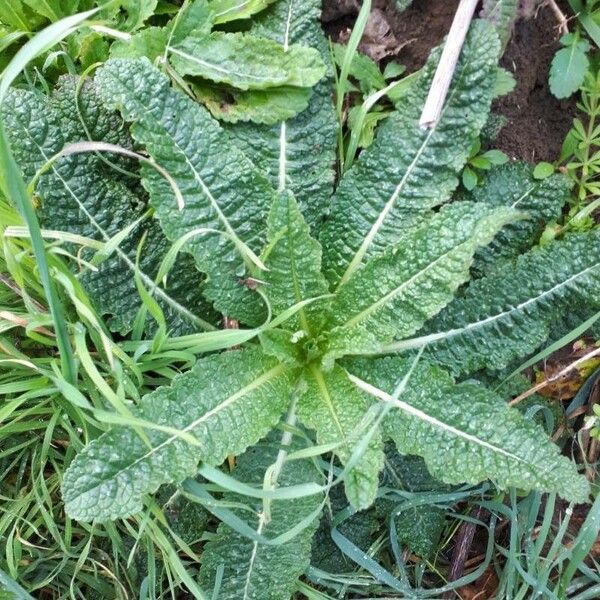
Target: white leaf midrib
[
  {"x": 258, "y": 382},
  {"x": 433, "y": 421},
  {"x": 427, "y": 339},
  {"x": 358, "y": 257}
]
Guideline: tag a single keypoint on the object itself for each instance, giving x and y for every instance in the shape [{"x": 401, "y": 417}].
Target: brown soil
[{"x": 537, "y": 122}]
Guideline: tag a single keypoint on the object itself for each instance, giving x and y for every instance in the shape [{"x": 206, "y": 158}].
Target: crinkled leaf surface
[
  {"x": 509, "y": 313},
  {"x": 408, "y": 170},
  {"x": 398, "y": 291},
  {"x": 227, "y": 402},
  {"x": 419, "y": 528},
  {"x": 247, "y": 62},
  {"x": 259, "y": 106},
  {"x": 83, "y": 195},
  {"x": 334, "y": 408},
  {"x": 298, "y": 154},
  {"x": 221, "y": 188},
  {"x": 477, "y": 435},
  {"x": 541, "y": 200},
  {"x": 293, "y": 259},
  {"x": 253, "y": 570}
]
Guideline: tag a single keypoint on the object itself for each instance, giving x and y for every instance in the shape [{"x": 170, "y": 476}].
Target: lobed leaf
[
  {"x": 241, "y": 391},
  {"x": 408, "y": 170}
]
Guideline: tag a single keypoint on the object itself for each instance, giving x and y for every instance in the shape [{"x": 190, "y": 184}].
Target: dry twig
[{"x": 445, "y": 69}]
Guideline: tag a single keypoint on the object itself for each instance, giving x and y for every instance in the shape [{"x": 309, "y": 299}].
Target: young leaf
[
  {"x": 477, "y": 435},
  {"x": 395, "y": 293},
  {"x": 334, "y": 408},
  {"x": 83, "y": 195},
  {"x": 509, "y": 313},
  {"x": 569, "y": 66},
  {"x": 293, "y": 260},
  {"x": 240, "y": 391},
  {"x": 222, "y": 189},
  {"x": 408, "y": 170},
  {"x": 300, "y": 153},
  {"x": 420, "y": 527},
  {"x": 252, "y": 569},
  {"x": 514, "y": 185}
]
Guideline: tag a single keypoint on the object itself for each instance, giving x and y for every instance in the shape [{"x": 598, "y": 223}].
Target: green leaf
[
  {"x": 300, "y": 153},
  {"x": 419, "y": 528},
  {"x": 362, "y": 68},
  {"x": 367, "y": 124},
  {"x": 259, "y": 106},
  {"x": 252, "y": 569},
  {"x": 394, "y": 294},
  {"x": 508, "y": 314},
  {"x": 360, "y": 528},
  {"x": 469, "y": 178},
  {"x": 408, "y": 170},
  {"x": 293, "y": 259},
  {"x": 569, "y": 66},
  {"x": 393, "y": 70},
  {"x": 247, "y": 62},
  {"x": 53, "y": 10},
  {"x": 543, "y": 170},
  {"x": 505, "y": 83},
  {"x": 17, "y": 16},
  {"x": 81, "y": 194},
  {"x": 335, "y": 409},
  {"x": 515, "y": 185},
  {"x": 477, "y": 436},
  {"x": 232, "y": 10},
  {"x": 242, "y": 391},
  {"x": 138, "y": 11},
  {"x": 222, "y": 190}
]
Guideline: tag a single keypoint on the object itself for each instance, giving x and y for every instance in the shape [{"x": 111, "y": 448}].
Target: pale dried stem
[{"x": 447, "y": 65}]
